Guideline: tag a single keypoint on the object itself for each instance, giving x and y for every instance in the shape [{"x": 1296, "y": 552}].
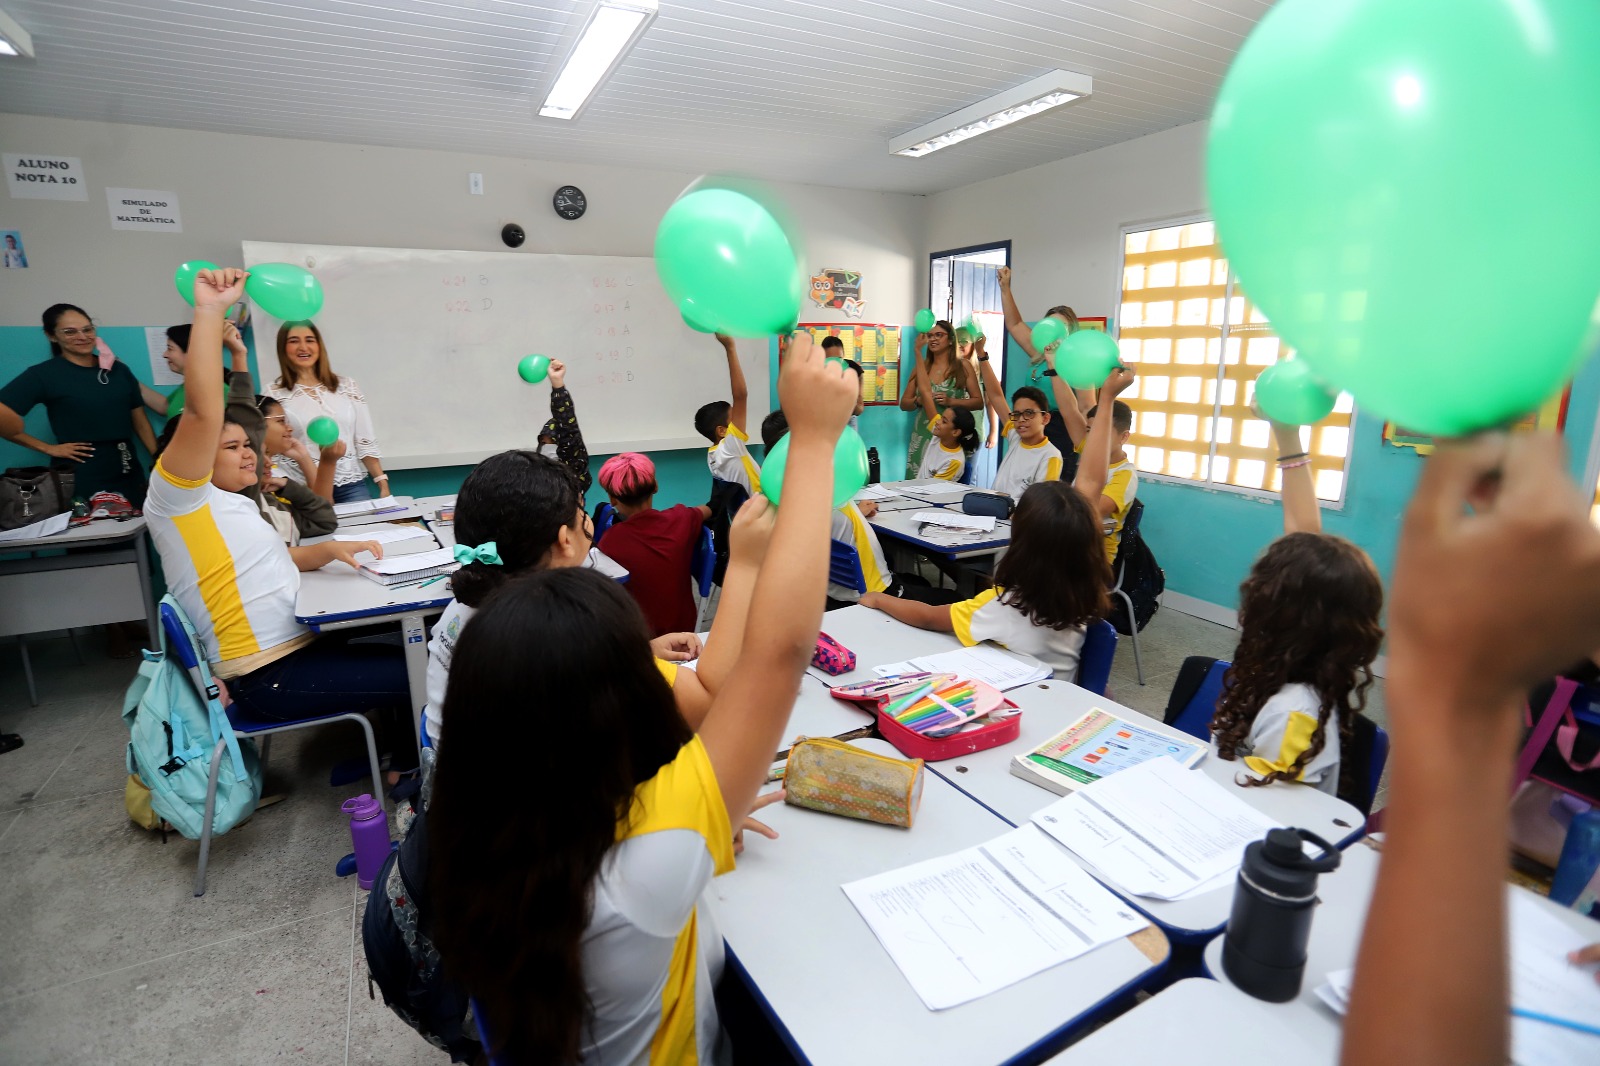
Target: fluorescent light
[
  {"x": 610, "y": 32},
  {"x": 1031, "y": 98},
  {"x": 14, "y": 40}
]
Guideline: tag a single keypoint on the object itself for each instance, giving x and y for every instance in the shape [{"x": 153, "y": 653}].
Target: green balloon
[
  {"x": 184, "y": 277},
  {"x": 1086, "y": 357},
  {"x": 1047, "y": 331},
  {"x": 533, "y": 368},
  {"x": 724, "y": 254},
  {"x": 691, "y": 319},
  {"x": 284, "y": 291},
  {"x": 850, "y": 468},
  {"x": 322, "y": 431},
  {"x": 1408, "y": 191},
  {"x": 1289, "y": 392},
  {"x": 924, "y": 320}
]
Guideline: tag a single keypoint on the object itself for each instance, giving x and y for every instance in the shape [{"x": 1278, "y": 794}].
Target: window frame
[{"x": 1209, "y": 485}]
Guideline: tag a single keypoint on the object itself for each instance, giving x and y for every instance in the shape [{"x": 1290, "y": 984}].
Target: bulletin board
[
  {"x": 1551, "y": 416},
  {"x": 875, "y": 346}
]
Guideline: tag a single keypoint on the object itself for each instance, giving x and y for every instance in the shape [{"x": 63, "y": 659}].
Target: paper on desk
[
  {"x": 386, "y": 533},
  {"x": 47, "y": 527},
  {"x": 956, "y": 520},
  {"x": 1003, "y": 670},
  {"x": 968, "y": 924},
  {"x": 1157, "y": 829},
  {"x": 873, "y": 492},
  {"x": 378, "y": 506},
  {"x": 405, "y": 564}
]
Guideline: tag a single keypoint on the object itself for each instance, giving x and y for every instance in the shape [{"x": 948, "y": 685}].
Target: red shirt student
[{"x": 656, "y": 547}]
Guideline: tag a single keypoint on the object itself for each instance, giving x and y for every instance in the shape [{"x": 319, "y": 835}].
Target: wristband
[
  {"x": 381, "y": 477},
  {"x": 1296, "y": 455},
  {"x": 1050, "y": 373},
  {"x": 1298, "y": 462},
  {"x": 983, "y": 358}
]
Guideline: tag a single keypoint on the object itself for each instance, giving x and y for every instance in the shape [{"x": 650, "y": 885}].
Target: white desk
[
  {"x": 336, "y": 597},
  {"x": 103, "y": 577},
  {"x": 1197, "y": 1023},
  {"x": 826, "y": 980}
]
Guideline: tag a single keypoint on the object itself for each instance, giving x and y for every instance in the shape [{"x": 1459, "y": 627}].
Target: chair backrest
[
  {"x": 844, "y": 567},
  {"x": 605, "y": 516},
  {"x": 1375, "y": 764},
  {"x": 180, "y": 646},
  {"x": 1094, "y": 661},
  {"x": 1194, "y": 695},
  {"x": 703, "y": 566},
  {"x": 968, "y": 469},
  {"x": 1368, "y": 752}
]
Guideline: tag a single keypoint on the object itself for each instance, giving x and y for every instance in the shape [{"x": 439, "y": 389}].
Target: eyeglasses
[
  {"x": 937, "y": 333},
  {"x": 1025, "y": 415},
  {"x": 74, "y": 334},
  {"x": 276, "y": 418}
]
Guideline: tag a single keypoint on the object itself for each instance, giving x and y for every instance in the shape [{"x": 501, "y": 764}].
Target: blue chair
[
  {"x": 703, "y": 570},
  {"x": 844, "y": 567},
  {"x": 1194, "y": 695},
  {"x": 1094, "y": 661},
  {"x": 178, "y": 643},
  {"x": 605, "y": 516},
  {"x": 967, "y": 471}
]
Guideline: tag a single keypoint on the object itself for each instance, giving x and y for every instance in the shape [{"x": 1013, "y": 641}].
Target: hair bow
[{"x": 486, "y": 553}]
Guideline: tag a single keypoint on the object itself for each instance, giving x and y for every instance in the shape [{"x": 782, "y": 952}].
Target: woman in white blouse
[{"x": 308, "y": 388}]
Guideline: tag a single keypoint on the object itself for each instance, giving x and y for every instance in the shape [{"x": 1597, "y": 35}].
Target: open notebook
[{"x": 403, "y": 568}]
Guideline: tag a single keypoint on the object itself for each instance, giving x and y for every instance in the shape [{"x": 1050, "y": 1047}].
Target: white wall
[
  {"x": 1063, "y": 218},
  {"x": 233, "y": 188}
]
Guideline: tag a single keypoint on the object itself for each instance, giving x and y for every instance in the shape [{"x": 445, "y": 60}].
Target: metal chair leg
[
  {"x": 211, "y": 810},
  {"x": 77, "y": 650},
  {"x": 1138, "y": 661},
  {"x": 27, "y": 670},
  {"x": 372, "y": 758}
]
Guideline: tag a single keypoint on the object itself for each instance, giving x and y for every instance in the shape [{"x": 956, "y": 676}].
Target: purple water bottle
[{"x": 369, "y": 832}]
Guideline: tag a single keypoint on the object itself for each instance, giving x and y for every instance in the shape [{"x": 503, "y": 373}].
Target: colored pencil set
[{"x": 938, "y": 707}]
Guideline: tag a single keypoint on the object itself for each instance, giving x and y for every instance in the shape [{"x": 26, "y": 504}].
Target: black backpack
[{"x": 1137, "y": 574}]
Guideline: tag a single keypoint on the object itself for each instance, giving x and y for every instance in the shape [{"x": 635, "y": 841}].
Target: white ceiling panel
[{"x": 805, "y": 90}]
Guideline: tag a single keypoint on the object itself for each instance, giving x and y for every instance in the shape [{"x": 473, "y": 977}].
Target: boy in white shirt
[{"x": 723, "y": 424}]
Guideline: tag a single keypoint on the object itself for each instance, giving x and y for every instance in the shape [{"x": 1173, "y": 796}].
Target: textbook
[
  {"x": 396, "y": 539},
  {"x": 1095, "y": 746},
  {"x": 404, "y": 568}
]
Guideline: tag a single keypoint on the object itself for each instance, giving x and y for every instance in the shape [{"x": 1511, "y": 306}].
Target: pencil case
[
  {"x": 990, "y": 504},
  {"x": 831, "y": 657},
  {"x": 990, "y": 734},
  {"x": 831, "y": 776}
]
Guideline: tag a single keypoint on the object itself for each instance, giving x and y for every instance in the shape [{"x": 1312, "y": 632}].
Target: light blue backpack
[{"x": 173, "y": 737}]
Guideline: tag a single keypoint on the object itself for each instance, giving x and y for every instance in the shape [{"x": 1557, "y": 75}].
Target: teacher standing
[
  {"x": 308, "y": 389},
  {"x": 953, "y": 382},
  {"x": 94, "y": 404}
]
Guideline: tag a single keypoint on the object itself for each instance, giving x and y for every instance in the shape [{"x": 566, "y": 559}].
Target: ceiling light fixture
[
  {"x": 1031, "y": 98},
  {"x": 612, "y": 28},
  {"x": 14, "y": 40}
]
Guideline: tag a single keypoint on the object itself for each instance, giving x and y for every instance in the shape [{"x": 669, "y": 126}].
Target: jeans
[{"x": 356, "y": 490}]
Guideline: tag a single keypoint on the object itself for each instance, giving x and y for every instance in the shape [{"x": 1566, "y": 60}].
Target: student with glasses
[
  {"x": 94, "y": 404},
  {"x": 952, "y": 380},
  {"x": 1030, "y": 457}
]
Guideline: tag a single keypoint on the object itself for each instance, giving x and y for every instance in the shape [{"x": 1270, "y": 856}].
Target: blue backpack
[{"x": 173, "y": 735}]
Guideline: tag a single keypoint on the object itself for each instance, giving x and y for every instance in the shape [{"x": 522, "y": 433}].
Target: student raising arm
[{"x": 1496, "y": 587}]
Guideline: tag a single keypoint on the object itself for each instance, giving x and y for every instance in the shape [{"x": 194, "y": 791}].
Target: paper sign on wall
[
  {"x": 155, "y": 339},
  {"x": 45, "y": 177},
  {"x": 144, "y": 209}
]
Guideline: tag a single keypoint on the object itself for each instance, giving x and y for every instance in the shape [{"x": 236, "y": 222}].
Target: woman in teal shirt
[{"x": 95, "y": 413}]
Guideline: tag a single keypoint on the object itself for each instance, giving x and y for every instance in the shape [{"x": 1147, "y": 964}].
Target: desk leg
[
  {"x": 141, "y": 547},
  {"x": 414, "y": 630}
]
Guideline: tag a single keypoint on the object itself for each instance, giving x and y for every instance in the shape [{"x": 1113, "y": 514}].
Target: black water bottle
[
  {"x": 874, "y": 470},
  {"x": 1264, "y": 949}
]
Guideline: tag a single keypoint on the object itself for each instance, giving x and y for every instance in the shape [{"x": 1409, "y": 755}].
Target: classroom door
[{"x": 962, "y": 284}]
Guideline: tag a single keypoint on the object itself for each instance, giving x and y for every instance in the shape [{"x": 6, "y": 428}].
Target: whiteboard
[{"x": 433, "y": 338}]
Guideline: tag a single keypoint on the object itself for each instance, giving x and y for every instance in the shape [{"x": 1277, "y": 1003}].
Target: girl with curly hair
[{"x": 1308, "y": 633}]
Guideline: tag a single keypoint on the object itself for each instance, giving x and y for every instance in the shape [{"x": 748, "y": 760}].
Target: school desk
[
  {"x": 832, "y": 991},
  {"x": 1050, "y": 706},
  {"x": 86, "y": 575},
  {"x": 950, "y": 545}
]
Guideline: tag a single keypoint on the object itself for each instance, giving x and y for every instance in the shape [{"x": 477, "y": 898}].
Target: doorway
[{"x": 965, "y": 283}]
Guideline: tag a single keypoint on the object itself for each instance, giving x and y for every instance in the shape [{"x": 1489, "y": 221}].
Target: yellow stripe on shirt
[
  {"x": 873, "y": 577},
  {"x": 218, "y": 582},
  {"x": 961, "y": 615},
  {"x": 1297, "y": 736},
  {"x": 668, "y": 670},
  {"x": 675, "y": 1041}
]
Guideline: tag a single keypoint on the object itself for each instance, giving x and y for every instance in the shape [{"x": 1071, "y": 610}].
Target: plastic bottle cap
[{"x": 362, "y": 808}]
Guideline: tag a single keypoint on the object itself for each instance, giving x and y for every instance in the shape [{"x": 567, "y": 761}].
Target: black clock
[{"x": 570, "y": 203}]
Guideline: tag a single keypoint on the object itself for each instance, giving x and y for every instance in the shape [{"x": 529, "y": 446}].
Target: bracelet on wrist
[
  {"x": 1298, "y": 462},
  {"x": 983, "y": 358},
  {"x": 381, "y": 477},
  {"x": 1292, "y": 455}
]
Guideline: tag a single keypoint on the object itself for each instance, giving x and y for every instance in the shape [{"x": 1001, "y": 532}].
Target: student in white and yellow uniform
[
  {"x": 723, "y": 424},
  {"x": 588, "y": 939},
  {"x": 232, "y": 573},
  {"x": 954, "y": 435},
  {"x": 1030, "y": 457},
  {"x": 1122, "y": 482}
]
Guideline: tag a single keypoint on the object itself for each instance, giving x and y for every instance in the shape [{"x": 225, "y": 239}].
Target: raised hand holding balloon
[
  {"x": 533, "y": 368},
  {"x": 322, "y": 431},
  {"x": 924, "y": 320},
  {"x": 1086, "y": 357},
  {"x": 1290, "y": 393},
  {"x": 285, "y": 291},
  {"x": 1048, "y": 332},
  {"x": 850, "y": 468},
  {"x": 183, "y": 278},
  {"x": 728, "y": 264},
  {"x": 1445, "y": 278}
]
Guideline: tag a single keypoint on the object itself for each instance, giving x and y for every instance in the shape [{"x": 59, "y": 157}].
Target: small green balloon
[
  {"x": 533, "y": 368},
  {"x": 322, "y": 431},
  {"x": 850, "y": 468},
  {"x": 1047, "y": 331},
  {"x": 284, "y": 291},
  {"x": 1359, "y": 196},
  {"x": 1086, "y": 358},
  {"x": 837, "y": 360},
  {"x": 723, "y": 253},
  {"x": 924, "y": 320},
  {"x": 1289, "y": 392},
  {"x": 184, "y": 277}
]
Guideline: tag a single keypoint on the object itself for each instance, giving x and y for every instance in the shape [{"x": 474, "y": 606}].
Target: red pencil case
[{"x": 929, "y": 749}]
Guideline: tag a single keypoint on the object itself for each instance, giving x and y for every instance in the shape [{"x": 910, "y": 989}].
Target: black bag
[
  {"x": 30, "y": 494},
  {"x": 1140, "y": 576}
]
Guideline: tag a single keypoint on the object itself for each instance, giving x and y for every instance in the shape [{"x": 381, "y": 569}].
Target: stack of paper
[
  {"x": 381, "y": 505},
  {"x": 1000, "y": 669},
  {"x": 1157, "y": 829},
  {"x": 873, "y": 492},
  {"x": 956, "y": 520},
  {"x": 409, "y": 567},
  {"x": 396, "y": 539},
  {"x": 972, "y": 923},
  {"x": 1552, "y": 1001}
]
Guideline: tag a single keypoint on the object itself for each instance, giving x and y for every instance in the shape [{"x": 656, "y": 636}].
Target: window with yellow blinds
[{"x": 1198, "y": 344}]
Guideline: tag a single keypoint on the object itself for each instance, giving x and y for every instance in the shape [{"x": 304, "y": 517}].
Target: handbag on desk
[{"x": 30, "y": 494}]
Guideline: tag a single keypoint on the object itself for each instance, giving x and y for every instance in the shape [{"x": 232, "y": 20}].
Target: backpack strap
[
  {"x": 1558, "y": 708},
  {"x": 221, "y": 728}
]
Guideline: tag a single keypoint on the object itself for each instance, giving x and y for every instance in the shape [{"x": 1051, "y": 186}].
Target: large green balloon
[
  {"x": 924, "y": 320},
  {"x": 1047, "y": 331},
  {"x": 284, "y": 291},
  {"x": 850, "y": 468},
  {"x": 725, "y": 253},
  {"x": 322, "y": 431},
  {"x": 1087, "y": 357},
  {"x": 1290, "y": 393},
  {"x": 1408, "y": 189},
  {"x": 690, "y": 315},
  {"x": 183, "y": 278}
]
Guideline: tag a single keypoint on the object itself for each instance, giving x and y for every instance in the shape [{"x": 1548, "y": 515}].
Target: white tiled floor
[{"x": 109, "y": 959}]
